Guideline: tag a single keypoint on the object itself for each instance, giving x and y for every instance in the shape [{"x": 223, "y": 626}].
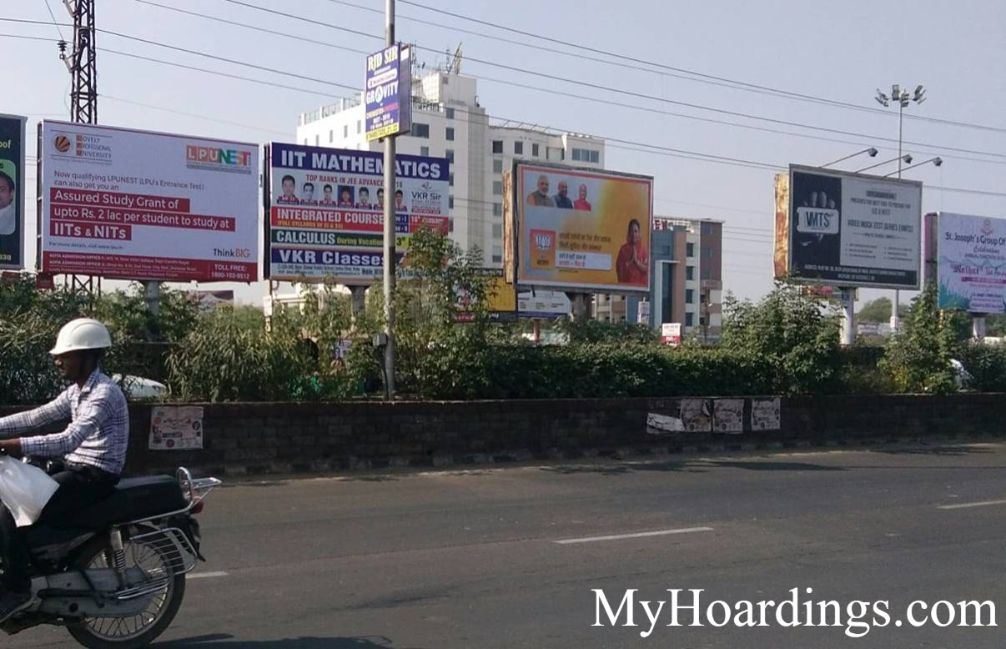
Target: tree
[
  {"x": 792, "y": 334},
  {"x": 918, "y": 357},
  {"x": 879, "y": 311}
]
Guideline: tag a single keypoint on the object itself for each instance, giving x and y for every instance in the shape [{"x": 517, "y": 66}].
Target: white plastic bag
[{"x": 24, "y": 489}]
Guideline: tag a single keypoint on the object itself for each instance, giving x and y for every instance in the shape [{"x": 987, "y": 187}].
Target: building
[
  {"x": 448, "y": 121},
  {"x": 686, "y": 270}
]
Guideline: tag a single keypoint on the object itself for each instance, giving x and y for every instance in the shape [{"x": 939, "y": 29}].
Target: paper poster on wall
[{"x": 176, "y": 428}]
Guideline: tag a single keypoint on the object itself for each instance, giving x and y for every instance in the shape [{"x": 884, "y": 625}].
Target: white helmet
[{"x": 80, "y": 334}]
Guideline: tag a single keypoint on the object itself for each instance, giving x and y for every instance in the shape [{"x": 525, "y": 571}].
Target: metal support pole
[
  {"x": 895, "y": 316},
  {"x": 389, "y": 227},
  {"x": 978, "y": 326},
  {"x": 359, "y": 304},
  {"x": 849, "y": 315},
  {"x": 153, "y": 290}
]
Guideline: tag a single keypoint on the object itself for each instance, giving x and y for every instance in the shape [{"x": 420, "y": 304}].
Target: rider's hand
[{"x": 10, "y": 447}]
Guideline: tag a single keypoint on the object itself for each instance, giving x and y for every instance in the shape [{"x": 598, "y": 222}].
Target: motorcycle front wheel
[{"x": 161, "y": 606}]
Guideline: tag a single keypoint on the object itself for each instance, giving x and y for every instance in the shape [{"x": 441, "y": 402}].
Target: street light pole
[
  {"x": 389, "y": 228},
  {"x": 903, "y": 97}
]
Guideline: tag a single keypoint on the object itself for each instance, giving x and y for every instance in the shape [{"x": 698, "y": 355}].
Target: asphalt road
[{"x": 509, "y": 558}]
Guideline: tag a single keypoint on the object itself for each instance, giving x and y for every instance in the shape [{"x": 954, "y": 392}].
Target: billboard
[
  {"x": 582, "y": 230},
  {"x": 325, "y": 210},
  {"x": 780, "y": 249},
  {"x": 12, "y": 170},
  {"x": 847, "y": 229},
  {"x": 128, "y": 204},
  {"x": 501, "y": 299},
  {"x": 971, "y": 262},
  {"x": 388, "y": 93},
  {"x": 670, "y": 333},
  {"x": 543, "y": 304}
]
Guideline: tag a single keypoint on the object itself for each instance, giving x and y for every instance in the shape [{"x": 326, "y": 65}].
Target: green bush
[
  {"x": 793, "y": 335},
  {"x": 590, "y": 371},
  {"x": 221, "y": 360},
  {"x": 986, "y": 364},
  {"x": 918, "y": 358}
]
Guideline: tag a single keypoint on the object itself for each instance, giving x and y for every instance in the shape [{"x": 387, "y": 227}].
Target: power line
[
  {"x": 643, "y": 146},
  {"x": 701, "y": 75},
  {"x": 195, "y": 115},
  {"x": 218, "y": 73},
  {"x": 54, "y": 22},
  {"x": 614, "y": 90}
]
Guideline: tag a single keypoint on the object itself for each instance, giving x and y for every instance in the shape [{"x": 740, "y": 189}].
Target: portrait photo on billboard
[
  {"x": 816, "y": 223},
  {"x": 583, "y": 229},
  {"x": 11, "y": 192}
]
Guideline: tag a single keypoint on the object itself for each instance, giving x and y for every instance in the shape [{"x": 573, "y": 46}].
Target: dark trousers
[{"x": 79, "y": 487}]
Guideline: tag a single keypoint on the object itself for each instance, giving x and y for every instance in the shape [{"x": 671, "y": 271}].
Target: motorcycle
[{"x": 114, "y": 573}]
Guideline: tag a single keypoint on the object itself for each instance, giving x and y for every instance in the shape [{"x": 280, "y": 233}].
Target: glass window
[
  {"x": 497, "y": 146},
  {"x": 359, "y": 127},
  {"x": 424, "y": 150},
  {"x": 497, "y": 187},
  {"x": 497, "y": 209},
  {"x": 689, "y": 296},
  {"x": 331, "y": 136},
  {"x": 450, "y": 134},
  {"x": 345, "y": 131},
  {"x": 518, "y": 148},
  {"x": 497, "y": 231},
  {"x": 451, "y": 181},
  {"x": 449, "y": 112},
  {"x": 534, "y": 150},
  {"x": 420, "y": 130},
  {"x": 450, "y": 155},
  {"x": 450, "y": 225},
  {"x": 690, "y": 249},
  {"x": 317, "y": 139},
  {"x": 497, "y": 259},
  {"x": 497, "y": 166},
  {"x": 689, "y": 272},
  {"x": 689, "y": 319}
]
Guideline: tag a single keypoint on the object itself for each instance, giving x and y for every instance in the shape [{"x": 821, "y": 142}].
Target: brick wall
[{"x": 284, "y": 437}]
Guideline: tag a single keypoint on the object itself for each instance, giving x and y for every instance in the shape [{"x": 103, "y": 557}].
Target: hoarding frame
[
  {"x": 268, "y": 205},
  {"x": 20, "y": 162},
  {"x": 790, "y": 235},
  {"x": 935, "y": 237},
  {"x": 517, "y": 209},
  {"x": 43, "y": 200}
]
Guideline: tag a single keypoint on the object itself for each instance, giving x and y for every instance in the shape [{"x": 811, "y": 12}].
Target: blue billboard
[{"x": 388, "y": 93}]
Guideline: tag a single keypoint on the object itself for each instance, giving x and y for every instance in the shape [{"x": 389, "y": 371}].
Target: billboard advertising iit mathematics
[
  {"x": 582, "y": 230},
  {"x": 846, "y": 229},
  {"x": 128, "y": 204},
  {"x": 12, "y": 169},
  {"x": 325, "y": 210}
]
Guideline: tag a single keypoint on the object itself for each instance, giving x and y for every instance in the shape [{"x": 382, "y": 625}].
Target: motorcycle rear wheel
[{"x": 138, "y": 631}]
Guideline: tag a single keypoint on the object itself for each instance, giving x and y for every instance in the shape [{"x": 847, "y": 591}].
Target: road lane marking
[
  {"x": 635, "y": 535},
  {"x": 986, "y": 503},
  {"x": 208, "y": 575}
]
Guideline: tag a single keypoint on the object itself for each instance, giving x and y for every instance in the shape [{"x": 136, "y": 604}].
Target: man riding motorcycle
[{"x": 92, "y": 447}]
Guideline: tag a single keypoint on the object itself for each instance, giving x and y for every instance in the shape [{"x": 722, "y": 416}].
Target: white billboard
[
  {"x": 138, "y": 205},
  {"x": 971, "y": 254}
]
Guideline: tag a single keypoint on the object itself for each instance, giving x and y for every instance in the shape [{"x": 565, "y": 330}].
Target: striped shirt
[{"x": 97, "y": 436}]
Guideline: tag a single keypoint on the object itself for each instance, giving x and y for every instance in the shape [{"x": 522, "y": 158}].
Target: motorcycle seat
[{"x": 133, "y": 498}]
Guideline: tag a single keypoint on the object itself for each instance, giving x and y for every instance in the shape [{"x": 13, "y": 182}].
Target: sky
[{"x": 646, "y": 72}]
